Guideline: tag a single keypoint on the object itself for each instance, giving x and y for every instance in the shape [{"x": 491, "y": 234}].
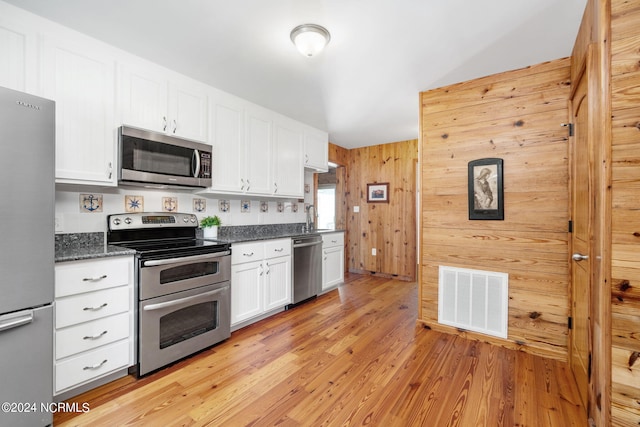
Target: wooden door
[{"x": 581, "y": 215}]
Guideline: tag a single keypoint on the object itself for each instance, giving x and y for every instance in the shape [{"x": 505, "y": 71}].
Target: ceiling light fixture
[{"x": 310, "y": 39}]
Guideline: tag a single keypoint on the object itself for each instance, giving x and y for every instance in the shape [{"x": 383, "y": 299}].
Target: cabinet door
[
  {"x": 287, "y": 160},
  {"x": 258, "y": 139},
  {"x": 227, "y": 134},
  {"x": 143, "y": 98},
  {"x": 18, "y": 53},
  {"x": 277, "y": 292},
  {"x": 316, "y": 150},
  {"x": 81, "y": 80},
  {"x": 246, "y": 291},
  {"x": 332, "y": 267},
  {"x": 188, "y": 110}
]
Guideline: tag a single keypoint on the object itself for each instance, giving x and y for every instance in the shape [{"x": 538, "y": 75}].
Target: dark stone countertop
[
  {"x": 248, "y": 233},
  {"x": 80, "y": 246}
]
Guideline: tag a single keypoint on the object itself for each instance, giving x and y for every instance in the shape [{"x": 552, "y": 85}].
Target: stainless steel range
[{"x": 182, "y": 285}]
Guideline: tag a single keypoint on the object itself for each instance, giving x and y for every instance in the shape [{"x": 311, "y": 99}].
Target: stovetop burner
[{"x": 159, "y": 234}]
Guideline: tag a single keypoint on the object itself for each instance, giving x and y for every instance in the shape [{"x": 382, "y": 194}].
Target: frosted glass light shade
[{"x": 310, "y": 39}]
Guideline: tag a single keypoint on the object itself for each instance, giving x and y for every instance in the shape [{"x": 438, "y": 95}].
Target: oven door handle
[
  {"x": 161, "y": 305},
  {"x": 154, "y": 263}
]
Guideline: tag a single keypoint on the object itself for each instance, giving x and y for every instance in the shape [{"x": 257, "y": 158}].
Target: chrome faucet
[{"x": 311, "y": 222}]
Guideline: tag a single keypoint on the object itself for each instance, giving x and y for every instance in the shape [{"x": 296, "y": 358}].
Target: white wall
[{"x": 70, "y": 218}]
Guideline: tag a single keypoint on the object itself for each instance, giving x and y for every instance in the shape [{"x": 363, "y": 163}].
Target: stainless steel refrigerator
[{"x": 27, "y": 198}]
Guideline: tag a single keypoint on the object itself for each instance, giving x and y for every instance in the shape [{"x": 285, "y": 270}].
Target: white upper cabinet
[
  {"x": 80, "y": 78},
  {"x": 316, "y": 149},
  {"x": 255, "y": 151},
  {"x": 259, "y": 149},
  {"x": 288, "y": 174},
  {"x": 155, "y": 99},
  {"x": 18, "y": 53}
]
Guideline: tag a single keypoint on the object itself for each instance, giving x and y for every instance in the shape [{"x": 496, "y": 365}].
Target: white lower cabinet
[
  {"x": 260, "y": 279},
  {"x": 332, "y": 260},
  {"x": 94, "y": 321}
]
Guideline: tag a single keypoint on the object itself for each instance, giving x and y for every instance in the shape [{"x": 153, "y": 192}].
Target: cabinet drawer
[
  {"x": 91, "y": 365},
  {"x": 332, "y": 239},
  {"x": 89, "y": 335},
  {"x": 277, "y": 248},
  {"x": 85, "y": 276},
  {"x": 247, "y": 252},
  {"x": 95, "y": 305}
]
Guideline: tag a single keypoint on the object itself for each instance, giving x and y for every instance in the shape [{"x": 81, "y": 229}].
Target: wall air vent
[{"x": 474, "y": 300}]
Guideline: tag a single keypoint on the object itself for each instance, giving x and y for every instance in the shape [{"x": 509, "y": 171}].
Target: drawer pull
[
  {"x": 94, "y": 279},
  {"x": 248, "y": 254},
  {"x": 279, "y": 250},
  {"x": 95, "y": 337},
  {"x": 95, "y": 308},
  {"x": 334, "y": 241},
  {"x": 99, "y": 365}
]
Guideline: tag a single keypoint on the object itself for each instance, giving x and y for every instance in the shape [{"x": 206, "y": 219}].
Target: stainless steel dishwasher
[{"x": 307, "y": 267}]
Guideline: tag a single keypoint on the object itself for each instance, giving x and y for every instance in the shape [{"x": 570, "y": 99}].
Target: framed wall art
[
  {"x": 485, "y": 189},
  {"x": 378, "y": 192}
]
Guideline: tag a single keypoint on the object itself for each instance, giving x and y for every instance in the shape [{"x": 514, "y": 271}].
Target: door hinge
[
  {"x": 570, "y": 322},
  {"x": 570, "y": 126},
  {"x": 570, "y": 226}
]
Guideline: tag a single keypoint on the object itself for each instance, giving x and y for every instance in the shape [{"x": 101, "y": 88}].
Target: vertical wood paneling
[
  {"x": 515, "y": 116},
  {"x": 388, "y": 227},
  {"x": 625, "y": 205},
  {"x": 340, "y": 156}
]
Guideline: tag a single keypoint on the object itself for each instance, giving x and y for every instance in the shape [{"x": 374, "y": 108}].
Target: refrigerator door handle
[{"x": 22, "y": 318}]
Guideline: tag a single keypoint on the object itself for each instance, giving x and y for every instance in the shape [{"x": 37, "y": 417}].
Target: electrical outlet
[
  {"x": 59, "y": 223},
  {"x": 356, "y": 208},
  {"x": 373, "y": 251}
]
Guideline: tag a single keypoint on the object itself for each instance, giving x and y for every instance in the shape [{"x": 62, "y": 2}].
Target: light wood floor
[{"x": 353, "y": 357}]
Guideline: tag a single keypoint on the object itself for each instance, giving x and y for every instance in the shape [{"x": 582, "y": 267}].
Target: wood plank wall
[
  {"x": 625, "y": 213},
  {"x": 515, "y": 116},
  {"x": 388, "y": 227}
]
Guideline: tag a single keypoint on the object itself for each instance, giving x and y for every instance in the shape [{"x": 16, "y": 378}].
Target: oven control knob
[
  {"x": 193, "y": 219},
  {"x": 127, "y": 220},
  {"x": 185, "y": 219},
  {"x": 116, "y": 221}
]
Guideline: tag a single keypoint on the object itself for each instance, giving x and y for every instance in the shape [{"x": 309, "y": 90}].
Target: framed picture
[
  {"x": 485, "y": 189},
  {"x": 378, "y": 192}
]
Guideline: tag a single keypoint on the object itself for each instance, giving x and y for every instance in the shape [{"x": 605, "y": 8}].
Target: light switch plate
[
  {"x": 356, "y": 208},
  {"x": 59, "y": 223}
]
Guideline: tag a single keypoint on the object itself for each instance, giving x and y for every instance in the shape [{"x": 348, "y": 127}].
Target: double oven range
[{"x": 183, "y": 285}]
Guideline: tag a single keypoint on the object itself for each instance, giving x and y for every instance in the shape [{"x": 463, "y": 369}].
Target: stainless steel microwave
[{"x": 156, "y": 160}]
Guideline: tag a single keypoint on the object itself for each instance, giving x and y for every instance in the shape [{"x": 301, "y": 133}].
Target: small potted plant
[{"x": 210, "y": 226}]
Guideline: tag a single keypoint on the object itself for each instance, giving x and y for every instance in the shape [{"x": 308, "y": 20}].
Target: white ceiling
[{"x": 363, "y": 89}]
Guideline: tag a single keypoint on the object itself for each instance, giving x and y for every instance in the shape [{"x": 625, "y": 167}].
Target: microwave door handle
[{"x": 196, "y": 155}]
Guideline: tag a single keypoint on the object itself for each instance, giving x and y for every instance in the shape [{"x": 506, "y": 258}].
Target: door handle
[{"x": 579, "y": 257}]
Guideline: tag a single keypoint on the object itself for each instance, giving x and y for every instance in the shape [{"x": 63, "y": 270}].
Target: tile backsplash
[{"x": 85, "y": 209}]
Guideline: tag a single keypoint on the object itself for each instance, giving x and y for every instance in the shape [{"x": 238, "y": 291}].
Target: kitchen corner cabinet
[
  {"x": 260, "y": 279},
  {"x": 316, "y": 150},
  {"x": 94, "y": 321},
  {"x": 80, "y": 78},
  {"x": 152, "y": 99},
  {"x": 332, "y": 260}
]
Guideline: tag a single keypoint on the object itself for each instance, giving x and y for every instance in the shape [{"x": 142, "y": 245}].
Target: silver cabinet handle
[
  {"x": 175, "y": 126},
  {"x": 579, "y": 257},
  {"x": 94, "y": 279},
  {"x": 242, "y": 182},
  {"x": 164, "y": 123},
  {"x": 99, "y": 365},
  {"x": 268, "y": 269},
  {"x": 275, "y": 184},
  {"x": 306, "y": 158},
  {"x": 110, "y": 169},
  {"x": 247, "y": 254},
  {"x": 94, "y": 337},
  {"x": 95, "y": 308},
  {"x": 279, "y": 250},
  {"x": 248, "y": 185}
]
